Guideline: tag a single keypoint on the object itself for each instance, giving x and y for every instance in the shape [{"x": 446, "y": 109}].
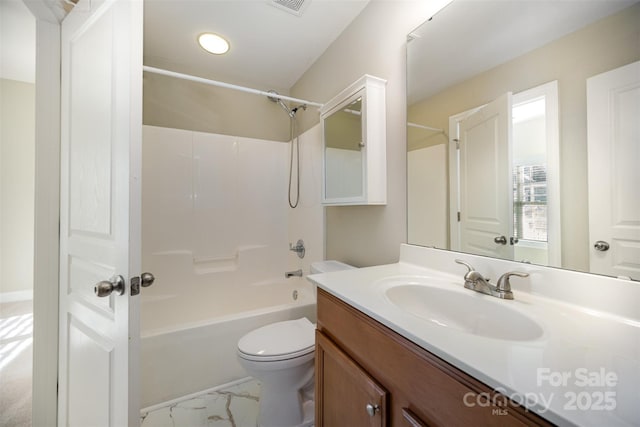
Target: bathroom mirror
[
  {"x": 535, "y": 59},
  {"x": 354, "y": 135},
  {"x": 343, "y": 150}
]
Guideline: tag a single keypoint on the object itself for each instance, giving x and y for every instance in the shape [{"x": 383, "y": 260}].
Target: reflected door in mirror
[
  {"x": 613, "y": 104},
  {"x": 484, "y": 188}
]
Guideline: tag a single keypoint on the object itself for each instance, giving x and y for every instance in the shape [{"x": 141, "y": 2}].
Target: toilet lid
[{"x": 280, "y": 340}]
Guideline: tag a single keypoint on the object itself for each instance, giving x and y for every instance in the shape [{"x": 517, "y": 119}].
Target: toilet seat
[{"x": 285, "y": 340}]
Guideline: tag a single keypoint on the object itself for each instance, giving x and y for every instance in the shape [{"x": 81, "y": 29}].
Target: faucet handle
[
  {"x": 471, "y": 277},
  {"x": 503, "y": 287},
  {"x": 459, "y": 261}
]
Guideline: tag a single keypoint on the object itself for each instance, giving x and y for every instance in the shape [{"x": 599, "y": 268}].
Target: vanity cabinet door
[
  {"x": 409, "y": 419},
  {"x": 345, "y": 394}
]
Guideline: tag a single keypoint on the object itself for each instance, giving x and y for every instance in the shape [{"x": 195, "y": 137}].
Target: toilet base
[{"x": 308, "y": 409}]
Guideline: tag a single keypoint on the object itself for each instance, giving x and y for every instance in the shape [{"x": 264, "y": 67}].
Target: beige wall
[
  {"x": 373, "y": 44},
  {"x": 17, "y": 156},
  {"x": 605, "y": 45},
  {"x": 182, "y": 104}
]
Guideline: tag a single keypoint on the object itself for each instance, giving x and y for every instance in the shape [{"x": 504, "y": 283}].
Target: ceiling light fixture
[{"x": 213, "y": 43}]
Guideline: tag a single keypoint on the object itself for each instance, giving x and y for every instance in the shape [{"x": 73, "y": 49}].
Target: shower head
[
  {"x": 303, "y": 106},
  {"x": 277, "y": 100}
]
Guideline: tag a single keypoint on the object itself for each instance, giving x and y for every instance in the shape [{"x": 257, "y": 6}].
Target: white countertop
[{"x": 583, "y": 370}]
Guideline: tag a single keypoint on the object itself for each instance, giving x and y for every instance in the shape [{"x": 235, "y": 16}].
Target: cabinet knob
[{"x": 372, "y": 409}]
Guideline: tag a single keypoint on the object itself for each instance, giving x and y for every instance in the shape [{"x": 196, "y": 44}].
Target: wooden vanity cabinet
[{"x": 368, "y": 375}]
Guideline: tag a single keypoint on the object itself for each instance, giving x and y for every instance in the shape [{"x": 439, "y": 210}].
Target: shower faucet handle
[{"x": 298, "y": 248}]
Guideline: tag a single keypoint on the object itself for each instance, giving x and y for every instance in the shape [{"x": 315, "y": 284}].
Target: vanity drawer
[{"x": 423, "y": 389}]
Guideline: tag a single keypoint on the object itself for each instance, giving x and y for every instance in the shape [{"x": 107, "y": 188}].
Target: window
[{"x": 530, "y": 202}]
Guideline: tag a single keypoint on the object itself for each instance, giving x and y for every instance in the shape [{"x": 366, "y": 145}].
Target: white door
[
  {"x": 101, "y": 132},
  {"x": 613, "y": 109},
  {"x": 485, "y": 188}
]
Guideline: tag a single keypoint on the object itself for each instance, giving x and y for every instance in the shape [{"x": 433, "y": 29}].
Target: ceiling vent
[{"x": 295, "y": 7}]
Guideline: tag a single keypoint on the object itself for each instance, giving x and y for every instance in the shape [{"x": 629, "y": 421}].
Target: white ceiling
[
  {"x": 270, "y": 48},
  {"x": 17, "y": 42}
]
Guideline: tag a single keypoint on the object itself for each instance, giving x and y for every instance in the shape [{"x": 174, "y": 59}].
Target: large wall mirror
[{"x": 523, "y": 132}]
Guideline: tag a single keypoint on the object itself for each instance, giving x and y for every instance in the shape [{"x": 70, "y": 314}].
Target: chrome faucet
[
  {"x": 476, "y": 282},
  {"x": 297, "y": 273}
]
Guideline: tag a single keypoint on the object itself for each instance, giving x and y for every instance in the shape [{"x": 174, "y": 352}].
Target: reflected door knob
[
  {"x": 107, "y": 287},
  {"x": 601, "y": 246},
  {"x": 502, "y": 240}
]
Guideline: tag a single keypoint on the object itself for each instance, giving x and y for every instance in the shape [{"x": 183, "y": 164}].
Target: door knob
[
  {"x": 372, "y": 409},
  {"x": 601, "y": 246},
  {"x": 146, "y": 279},
  {"x": 106, "y": 287},
  {"x": 502, "y": 240}
]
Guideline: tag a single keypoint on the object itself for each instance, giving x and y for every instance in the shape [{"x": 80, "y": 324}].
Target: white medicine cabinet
[{"x": 354, "y": 138}]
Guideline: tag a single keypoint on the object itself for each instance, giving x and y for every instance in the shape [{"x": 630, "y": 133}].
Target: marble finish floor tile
[{"x": 232, "y": 406}]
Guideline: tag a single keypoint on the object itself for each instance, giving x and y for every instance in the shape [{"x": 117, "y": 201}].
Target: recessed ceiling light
[{"x": 213, "y": 43}]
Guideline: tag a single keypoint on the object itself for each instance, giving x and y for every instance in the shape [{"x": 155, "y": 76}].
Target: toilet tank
[{"x": 329, "y": 266}]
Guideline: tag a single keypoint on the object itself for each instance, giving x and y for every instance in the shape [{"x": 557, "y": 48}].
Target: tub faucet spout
[{"x": 297, "y": 273}]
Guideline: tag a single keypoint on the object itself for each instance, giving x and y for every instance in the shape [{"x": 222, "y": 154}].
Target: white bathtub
[{"x": 189, "y": 341}]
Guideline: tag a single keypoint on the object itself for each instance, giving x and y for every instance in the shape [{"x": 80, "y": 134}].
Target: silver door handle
[
  {"x": 147, "y": 279},
  {"x": 144, "y": 280},
  {"x": 601, "y": 246},
  {"x": 106, "y": 287},
  {"x": 502, "y": 240}
]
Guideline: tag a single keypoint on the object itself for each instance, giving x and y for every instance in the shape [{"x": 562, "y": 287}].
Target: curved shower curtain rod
[{"x": 227, "y": 85}]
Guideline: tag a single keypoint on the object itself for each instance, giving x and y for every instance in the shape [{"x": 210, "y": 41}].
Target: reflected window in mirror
[{"x": 535, "y": 173}]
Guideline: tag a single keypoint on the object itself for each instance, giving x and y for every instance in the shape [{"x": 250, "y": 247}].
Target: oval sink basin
[{"x": 472, "y": 313}]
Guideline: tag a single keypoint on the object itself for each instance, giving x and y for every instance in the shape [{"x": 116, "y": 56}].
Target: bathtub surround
[
  {"x": 217, "y": 204},
  {"x": 216, "y": 233},
  {"x": 206, "y": 201}
]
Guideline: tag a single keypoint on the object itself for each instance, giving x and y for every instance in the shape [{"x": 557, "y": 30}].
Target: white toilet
[{"x": 281, "y": 357}]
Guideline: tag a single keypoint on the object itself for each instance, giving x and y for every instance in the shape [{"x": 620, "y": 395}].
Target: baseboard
[{"x": 16, "y": 296}]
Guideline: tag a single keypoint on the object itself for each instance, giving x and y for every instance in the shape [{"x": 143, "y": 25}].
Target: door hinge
[
  {"x": 457, "y": 141},
  {"x": 458, "y": 216}
]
